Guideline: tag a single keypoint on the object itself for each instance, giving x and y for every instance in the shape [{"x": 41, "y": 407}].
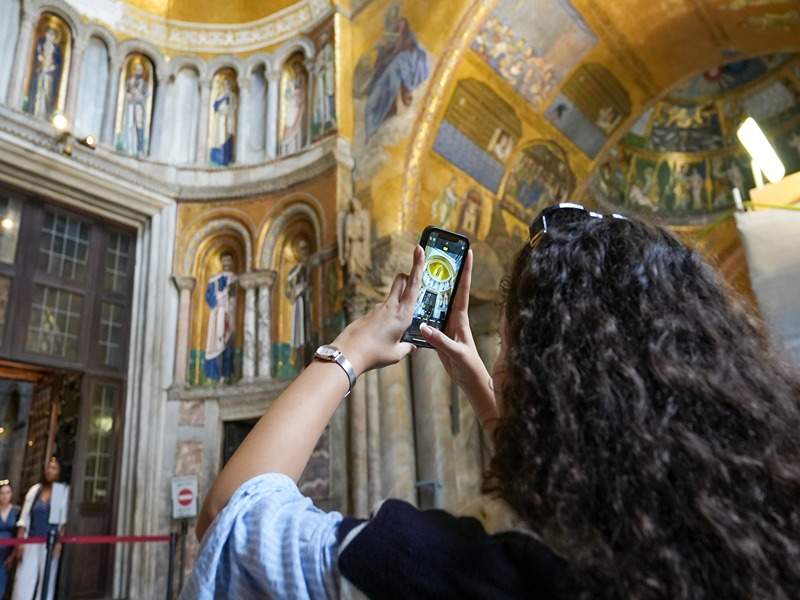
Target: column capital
[
  {"x": 243, "y": 81},
  {"x": 262, "y": 278},
  {"x": 273, "y": 76},
  {"x": 184, "y": 282}
]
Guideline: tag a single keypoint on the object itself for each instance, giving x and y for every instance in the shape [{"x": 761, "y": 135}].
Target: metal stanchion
[
  {"x": 173, "y": 542},
  {"x": 52, "y": 538}
]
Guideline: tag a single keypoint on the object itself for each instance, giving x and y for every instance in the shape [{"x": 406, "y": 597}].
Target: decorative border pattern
[{"x": 210, "y": 38}]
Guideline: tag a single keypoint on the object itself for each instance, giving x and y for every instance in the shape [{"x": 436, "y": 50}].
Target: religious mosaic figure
[
  {"x": 400, "y": 67},
  {"x": 221, "y": 337},
  {"x": 298, "y": 291},
  {"x": 136, "y": 102},
  {"x": 324, "y": 115},
  {"x": 224, "y": 103},
  {"x": 48, "y": 68},
  {"x": 443, "y": 205},
  {"x": 354, "y": 230},
  {"x": 294, "y": 95}
]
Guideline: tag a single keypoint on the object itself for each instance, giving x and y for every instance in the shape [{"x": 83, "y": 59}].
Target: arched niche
[
  {"x": 185, "y": 98},
  {"x": 93, "y": 88},
  {"x": 9, "y": 30},
  {"x": 293, "y": 105},
  {"x": 297, "y": 298},
  {"x": 135, "y": 102},
  {"x": 47, "y": 76},
  {"x": 223, "y": 117},
  {"x": 217, "y": 325},
  {"x": 255, "y": 111}
]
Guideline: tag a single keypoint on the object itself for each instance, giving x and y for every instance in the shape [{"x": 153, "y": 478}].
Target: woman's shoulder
[{"x": 402, "y": 550}]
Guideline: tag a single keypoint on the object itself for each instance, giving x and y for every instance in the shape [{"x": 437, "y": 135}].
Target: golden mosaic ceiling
[{"x": 212, "y": 11}]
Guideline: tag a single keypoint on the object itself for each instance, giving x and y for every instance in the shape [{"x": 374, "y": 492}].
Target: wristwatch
[{"x": 329, "y": 353}]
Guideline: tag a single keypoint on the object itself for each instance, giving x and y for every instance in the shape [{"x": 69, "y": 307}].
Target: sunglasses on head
[{"x": 562, "y": 214}]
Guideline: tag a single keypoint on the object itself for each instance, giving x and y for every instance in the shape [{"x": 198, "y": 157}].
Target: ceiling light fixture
[
  {"x": 760, "y": 150},
  {"x": 7, "y": 223}
]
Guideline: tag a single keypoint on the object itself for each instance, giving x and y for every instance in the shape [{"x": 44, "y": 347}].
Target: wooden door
[{"x": 88, "y": 568}]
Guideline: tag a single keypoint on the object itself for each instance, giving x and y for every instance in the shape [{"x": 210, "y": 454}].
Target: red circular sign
[{"x": 185, "y": 497}]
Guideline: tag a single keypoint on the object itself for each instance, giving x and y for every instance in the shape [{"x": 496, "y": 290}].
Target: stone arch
[
  {"x": 146, "y": 48},
  {"x": 290, "y": 47},
  {"x": 297, "y": 209},
  {"x": 91, "y": 30},
  {"x": 70, "y": 16},
  {"x": 253, "y": 63},
  {"x": 221, "y": 62},
  {"x": 210, "y": 228},
  {"x": 187, "y": 62}
]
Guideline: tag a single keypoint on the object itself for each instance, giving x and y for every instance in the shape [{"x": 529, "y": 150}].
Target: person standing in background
[
  {"x": 8, "y": 524},
  {"x": 45, "y": 509}
]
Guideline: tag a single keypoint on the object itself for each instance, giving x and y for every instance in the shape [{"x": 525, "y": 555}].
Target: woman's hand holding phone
[
  {"x": 375, "y": 340},
  {"x": 456, "y": 349}
]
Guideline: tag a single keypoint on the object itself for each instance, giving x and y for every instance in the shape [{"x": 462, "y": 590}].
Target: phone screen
[{"x": 444, "y": 258}]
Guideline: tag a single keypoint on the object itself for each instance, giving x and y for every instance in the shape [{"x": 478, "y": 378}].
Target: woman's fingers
[
  {"x": 461, "y": 301},
  {"x": 409, "y": 295},
  {"x": 398, "y": 285},
  {"x": 439, "y": 340}
]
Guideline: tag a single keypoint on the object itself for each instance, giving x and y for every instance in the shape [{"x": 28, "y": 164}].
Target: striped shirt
[{"x": 269, "y": 541}]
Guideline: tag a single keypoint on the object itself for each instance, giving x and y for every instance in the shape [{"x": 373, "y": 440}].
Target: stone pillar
[
  {"x": 24, "y": 41},
  {"x": 361, "y": 493},
  {"x": 241, "y": 120},
  {"x": 73, "y": 86},
  {"x": 185, "y": 287},
  {"x": 202, "y": 129},
  {"x": 373, "y": 410},
  {"x": 273, "y": 87},
  {"x": 398, "y": 462},
  {"x": 433, "y": 424},
  {"x": 159, "y": 147},
  {"x": 266, "y": 279},
  {"x": 248, "y": 282},
  {"x": 110, "y": 108}
]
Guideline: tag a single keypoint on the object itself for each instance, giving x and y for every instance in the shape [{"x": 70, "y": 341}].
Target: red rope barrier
[
  {"x": 20, "y": 541},
  {"x": 111, "y": 539},
  {"x": 87, "y": 539}
]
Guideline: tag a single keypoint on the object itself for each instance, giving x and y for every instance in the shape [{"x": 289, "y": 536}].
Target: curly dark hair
[{"x": 649, "y": 433}]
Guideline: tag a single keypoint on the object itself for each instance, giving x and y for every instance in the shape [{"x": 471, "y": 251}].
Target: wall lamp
[{"x": 66, "y": 138}]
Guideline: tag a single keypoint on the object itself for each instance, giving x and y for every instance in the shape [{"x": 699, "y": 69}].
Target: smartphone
[{"x": 445, "y": 252}]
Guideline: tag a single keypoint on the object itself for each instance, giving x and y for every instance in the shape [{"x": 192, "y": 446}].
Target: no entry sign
[{"x": 184, "y": 497}]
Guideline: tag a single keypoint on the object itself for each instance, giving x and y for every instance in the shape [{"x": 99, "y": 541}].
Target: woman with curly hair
[{"x": 643, "y": 430}]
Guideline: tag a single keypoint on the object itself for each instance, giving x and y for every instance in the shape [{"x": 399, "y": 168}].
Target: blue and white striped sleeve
[{"x": 269, "y": 541}]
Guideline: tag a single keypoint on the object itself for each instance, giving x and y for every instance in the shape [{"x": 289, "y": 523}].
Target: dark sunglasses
[{"x": 562, "y": 214}]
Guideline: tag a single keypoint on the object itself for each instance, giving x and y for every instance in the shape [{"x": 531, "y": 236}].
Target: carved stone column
[
  {"x": 160, "y": 143},
  {"x": 273, "y": 88},
  {"x": 398, "y": 461},
  {"x": 185, "y": 287},
  {"x": 110, "y": 107},
  {"x": 248, "y": 282},
  {"x": 266, "y": 279},
  {"x": 73, "y": 88},
  {"x": 433, "y": 424},
  {"x": 202, "y": 128},
  {"x": 364, "y": 466},
  {"x": 241, "y": 121},
  {"x": 24, "y": 41}
]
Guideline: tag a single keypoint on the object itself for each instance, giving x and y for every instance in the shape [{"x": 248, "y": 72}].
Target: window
[
  {"x": 64, "y": 246},
  {"x": 111, "y": 334},
  {"x": 100, "y": 453},
  {"x": 65, "y": 295},
  {"x": 117, "y": 263},
  {"x": 55, "y": 323}
]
